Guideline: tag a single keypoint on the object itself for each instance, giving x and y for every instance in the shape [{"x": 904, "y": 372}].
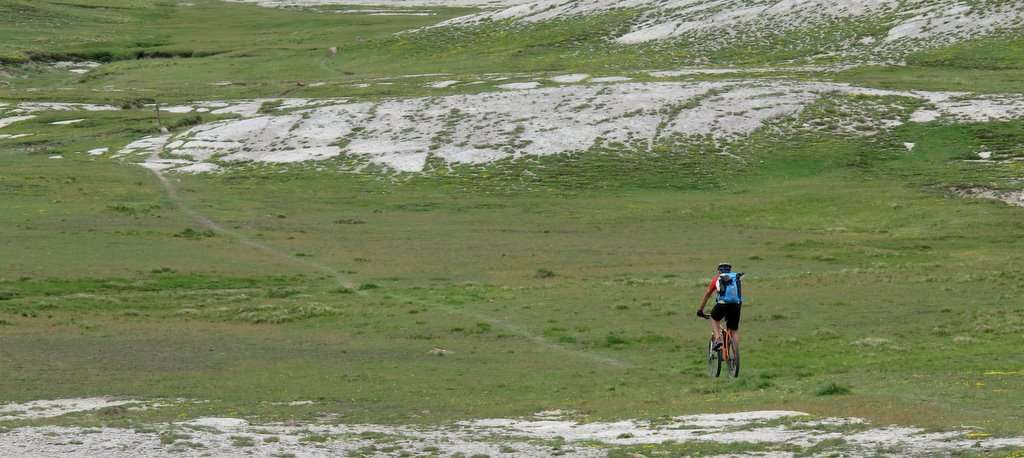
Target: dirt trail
[
  {"x": 157, "y": 165},
  {"x": 532, "y": 338}
]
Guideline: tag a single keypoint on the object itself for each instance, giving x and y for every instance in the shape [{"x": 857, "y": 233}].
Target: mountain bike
[{"x": 729, "y": 353}]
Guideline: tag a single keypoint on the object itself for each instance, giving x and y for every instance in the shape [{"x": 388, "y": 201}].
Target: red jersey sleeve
[{"x": 712, "y": 287}]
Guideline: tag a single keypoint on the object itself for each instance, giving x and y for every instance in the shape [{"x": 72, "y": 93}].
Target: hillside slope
[
  {"x": 420, "y": 134},
  {"x": 820, "y": 30}
]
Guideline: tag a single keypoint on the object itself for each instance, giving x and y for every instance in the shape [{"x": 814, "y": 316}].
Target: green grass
[
  {"x": 176, "y": 50},
  {"x": 982, "y": 65},
  {"x": 571, "y": 287},
  {"x": 936, "y": 78},
  {"x": 454, "y": 262}
]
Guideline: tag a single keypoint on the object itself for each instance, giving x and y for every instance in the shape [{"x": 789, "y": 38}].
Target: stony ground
[
  {"x": 537, "y": 116},
  {"x": 545, "y": 433}
]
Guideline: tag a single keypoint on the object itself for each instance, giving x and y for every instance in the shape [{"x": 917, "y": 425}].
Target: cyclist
[{"x": 727, "y": 304}]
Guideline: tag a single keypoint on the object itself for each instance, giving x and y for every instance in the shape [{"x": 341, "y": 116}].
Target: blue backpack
[{"x": 728, "y": 288}]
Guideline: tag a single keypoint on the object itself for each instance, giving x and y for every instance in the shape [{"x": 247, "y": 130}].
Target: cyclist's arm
[{"x": 704, "y": 301}]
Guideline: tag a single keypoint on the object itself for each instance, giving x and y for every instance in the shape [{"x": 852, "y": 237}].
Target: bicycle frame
[
  {"x": 728, "y": 353},
  {"x": 726, "y": 340}
]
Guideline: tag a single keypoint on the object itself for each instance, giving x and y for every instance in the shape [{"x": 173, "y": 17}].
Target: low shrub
[{"x": 832, "y": 389}]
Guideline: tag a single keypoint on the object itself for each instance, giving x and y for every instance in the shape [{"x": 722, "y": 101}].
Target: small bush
[
  {"x": 825, "y": 333},
  {"x": 122, "y": 208},
  {"x": 281, "y": 293},
  {"x": 242, "y": 441},
  {"x": 271, "y": 106},
  {"x": 187, "y": 121},
  {"x": 275, "y": 314},
  {"x": 170, "y": 437},
  {"x": 544, "y": 273},
  {"x": 193, "y": 234},
  {"x": 832, "y": 389},
  {"x": 614, "y": 339}
]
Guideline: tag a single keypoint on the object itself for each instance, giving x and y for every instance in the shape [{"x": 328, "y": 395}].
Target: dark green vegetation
[{"x": 572, "y": 287}]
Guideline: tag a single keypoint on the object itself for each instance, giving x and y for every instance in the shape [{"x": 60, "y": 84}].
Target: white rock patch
[
  {"x": 4, "y": 122},
  {"x": 924, "y": 115},
  {"x": 444, "y": 84},
  {"x": 1015, "y": 198},
  {"x": 573, "y": 78},
  {"x": 178, "y": 109},
  {"x": 56, "y": 407},
  {"x": 403, "y": 134},
  {"x": 517, "y": 86},
  {"x": 983, "y": 108},
  {"x": 38, "y": 107},
  {"x": 774, "y": 430},
  {"x": 66, "y": 122}
]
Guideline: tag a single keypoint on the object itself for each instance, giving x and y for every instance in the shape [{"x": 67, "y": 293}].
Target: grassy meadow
[{"x": 872, "y": 291}]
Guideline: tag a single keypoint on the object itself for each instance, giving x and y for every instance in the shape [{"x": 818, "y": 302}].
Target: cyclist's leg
[
  {"x": 718, "y": 312},
  {"x": 733, "y": 322}
]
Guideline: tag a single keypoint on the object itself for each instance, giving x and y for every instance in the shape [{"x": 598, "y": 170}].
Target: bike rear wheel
[
  {"x": 714, "y": 359},
  {"x": 733, "y": 364}
]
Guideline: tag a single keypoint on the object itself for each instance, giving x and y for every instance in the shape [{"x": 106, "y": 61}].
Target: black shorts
[{"x": 731, "y": 313}]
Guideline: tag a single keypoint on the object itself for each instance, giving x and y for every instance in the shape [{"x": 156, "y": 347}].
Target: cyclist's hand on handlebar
[{"x": 700, "y": 314}]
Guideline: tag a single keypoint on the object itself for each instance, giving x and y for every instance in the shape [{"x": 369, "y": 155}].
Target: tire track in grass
[
  {"x": 518, "y": 331},
  {"x": 155, "y": 164}
]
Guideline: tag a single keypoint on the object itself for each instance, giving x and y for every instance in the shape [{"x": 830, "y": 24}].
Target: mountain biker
[{"x": 730, "y": 310}]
